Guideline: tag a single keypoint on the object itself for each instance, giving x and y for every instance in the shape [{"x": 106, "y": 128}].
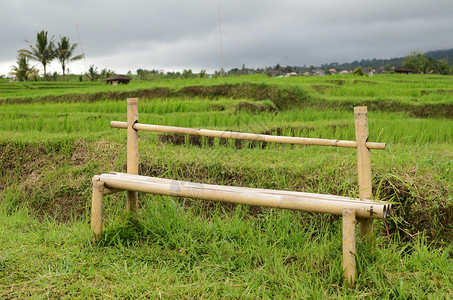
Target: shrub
[{"x": 358, "y": 72}]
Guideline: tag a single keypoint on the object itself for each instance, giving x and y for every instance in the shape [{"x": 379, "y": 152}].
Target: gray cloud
[{"x": 176, "y": 34}]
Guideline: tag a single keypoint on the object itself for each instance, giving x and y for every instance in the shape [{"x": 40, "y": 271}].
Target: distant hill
[
  {"x": 442, "y": 54},
  {"x": 388, "y": 63}
]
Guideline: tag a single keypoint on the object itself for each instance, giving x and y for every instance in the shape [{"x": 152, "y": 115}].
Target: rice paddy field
[{"x": 54, "y": 136}]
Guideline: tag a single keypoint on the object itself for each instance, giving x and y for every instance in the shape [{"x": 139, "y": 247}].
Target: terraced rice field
[{"x": 55, "y": 136}]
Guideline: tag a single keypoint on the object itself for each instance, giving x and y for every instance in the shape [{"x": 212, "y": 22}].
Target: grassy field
[
  {"x": 431, "y": 89},
  {"x": 55, "y": 136}
]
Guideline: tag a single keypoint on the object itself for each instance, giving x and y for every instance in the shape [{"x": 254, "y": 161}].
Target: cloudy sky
[{"x": 184, "y": 34}]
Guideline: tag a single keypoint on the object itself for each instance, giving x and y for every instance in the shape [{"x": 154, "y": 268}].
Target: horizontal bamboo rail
[
  {"x": 247, "y": 136},
  {"x": 328, "y": 204},
  {"x": 387, "y": 207}
]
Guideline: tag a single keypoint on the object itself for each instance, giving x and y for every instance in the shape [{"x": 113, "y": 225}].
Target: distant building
[
  {"x": 291, "y": 74},
  {"x": 117, "y": 79},
  {"x": 403, "y": 70},
  {"x": 276, "y": 73},
  {"x": 319, "y": 72}
]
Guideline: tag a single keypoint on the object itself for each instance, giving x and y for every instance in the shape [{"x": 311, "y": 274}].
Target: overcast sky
[{"x": 183, "y": 34}]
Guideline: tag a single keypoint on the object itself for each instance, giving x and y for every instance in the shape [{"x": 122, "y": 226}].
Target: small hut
[
  {"x": 403, "y": 70},
  {"x": 117, "y": 79}
]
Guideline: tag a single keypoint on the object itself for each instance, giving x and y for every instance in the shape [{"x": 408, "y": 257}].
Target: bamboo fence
[{"x": 362, "y": 210}]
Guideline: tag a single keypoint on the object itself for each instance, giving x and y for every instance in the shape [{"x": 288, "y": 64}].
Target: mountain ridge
[{"x": 390, "y": 62}]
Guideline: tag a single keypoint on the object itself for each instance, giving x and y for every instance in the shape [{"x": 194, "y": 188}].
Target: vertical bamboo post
[
  {"x": 132, "y": 150},
  {"x": 363, "y": 164},
  {"x": 349, "y": 246},
  {"x": 96, "y": 206}
]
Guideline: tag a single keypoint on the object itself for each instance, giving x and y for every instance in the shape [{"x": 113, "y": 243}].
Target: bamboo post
[
  {"x": 96, "y": 206},
  {"x": 363, "y": 164},
  {"x": 132, "y": 150},
  {"x": 349, "y": 246}
]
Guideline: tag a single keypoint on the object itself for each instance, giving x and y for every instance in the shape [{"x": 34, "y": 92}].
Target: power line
[
  {"x": 83, "y": 52},
  {"x": 221, "y": 46}
]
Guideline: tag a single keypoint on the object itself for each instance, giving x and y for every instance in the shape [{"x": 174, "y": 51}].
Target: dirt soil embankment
[{"x": 55, "y": 180}]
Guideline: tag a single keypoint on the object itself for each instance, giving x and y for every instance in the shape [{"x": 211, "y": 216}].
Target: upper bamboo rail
[{"x": 247, "y": 136}]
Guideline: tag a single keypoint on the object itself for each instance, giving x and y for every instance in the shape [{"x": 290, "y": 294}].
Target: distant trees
[
  {"x": 429, "y": 62},
  {"x": 358, "y": 72},
  {"x": 423, "y": 64},
  {"x": 364, "y": 63},
  {"x": 416, "y": 61},
  {"x": 64, "y": 53},
  {"x": 142, "y": 74},
  {"x": 187, "y": 74},
  {"x": 23, "y": 71},
  {"x": 45, "y": 51},
  {"x": 42, "y": 51},
  {"x": 92, "y": 73},
  {"x": 419, "y": 62},
  {"x": 105, "y": 73},
  {"x": 443, "y": 67}
]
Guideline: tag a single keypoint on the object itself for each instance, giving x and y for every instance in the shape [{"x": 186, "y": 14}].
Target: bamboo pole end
[
  {"x": 360, "y": 110},
  {"x": 132, "y": 100},
  {"x": 349, "y": 212}
]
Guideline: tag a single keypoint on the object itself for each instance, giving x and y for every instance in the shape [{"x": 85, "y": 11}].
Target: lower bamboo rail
[
  {"x": 309, "y": 202},
  {"x": 108, "y": 191}
]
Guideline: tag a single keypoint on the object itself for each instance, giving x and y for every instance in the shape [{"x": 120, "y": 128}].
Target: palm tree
[
  {"x": 63, "y": 53},
  {"x": 105, "y": 73},
  {"x": 42, "y": 51},
  {"x": 92, "y": 73},
  {"x": 23, "y": 70}
]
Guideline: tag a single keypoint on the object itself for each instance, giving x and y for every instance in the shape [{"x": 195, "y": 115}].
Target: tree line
[
  {"x": 433, "y": 62},
  {"x": 423, "y": 64},
  {"x": 44, "y": 50}
]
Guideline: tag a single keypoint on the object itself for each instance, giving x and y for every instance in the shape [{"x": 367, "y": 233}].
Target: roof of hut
[
  {"x": 118, "y": 77},
  {"x": 403, "y": 69}
]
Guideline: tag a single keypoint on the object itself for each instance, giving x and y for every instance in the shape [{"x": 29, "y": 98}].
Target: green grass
[
  {"x": 92, "y": 119},
  {"x": 175, "y": 252},
  {"x": 412, "y": 89},
  {"x": 180, "y": 248}
]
